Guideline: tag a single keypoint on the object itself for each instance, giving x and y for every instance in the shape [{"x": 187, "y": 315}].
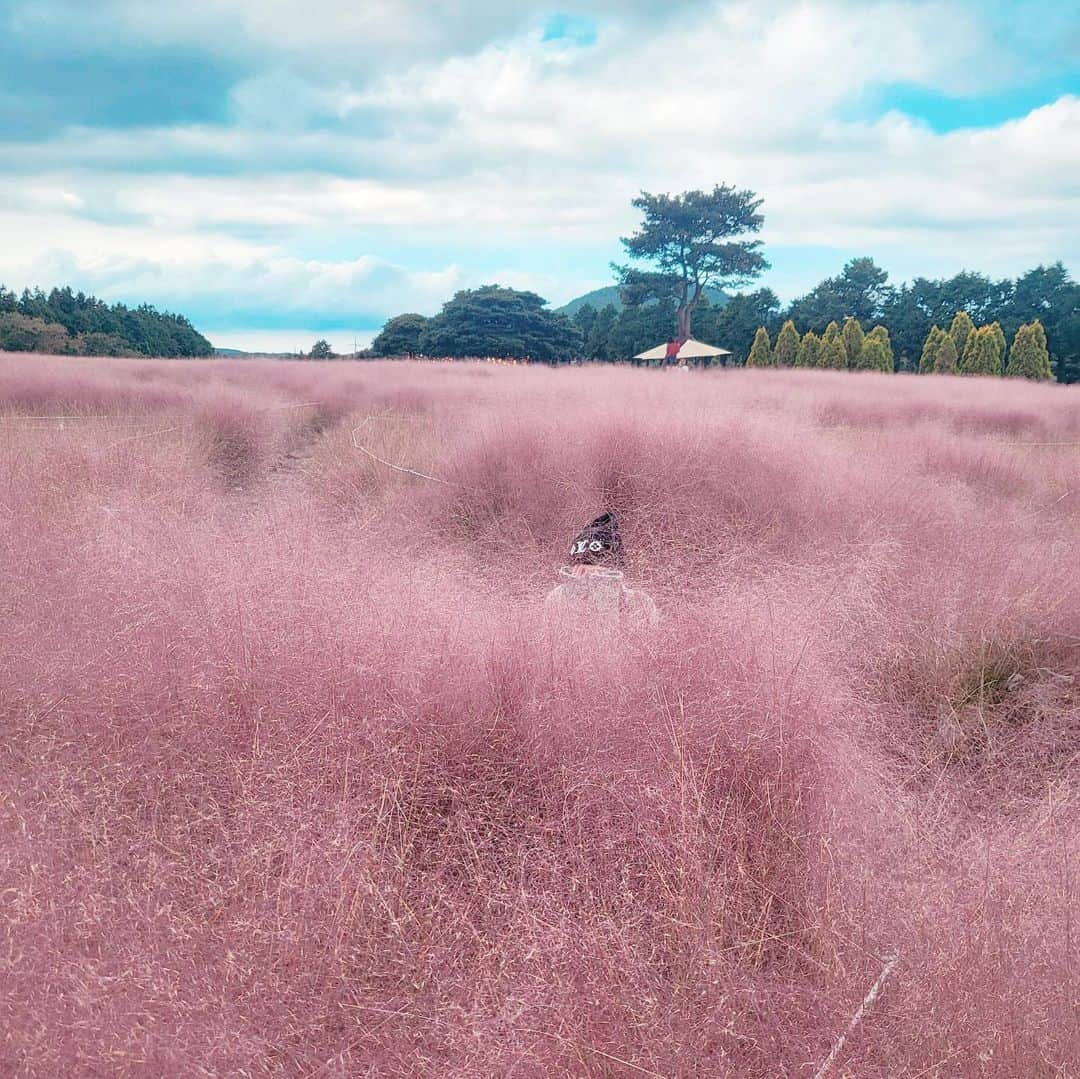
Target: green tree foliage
[
  {"x": 882, "y": 334},
  {"x": 960, "y": 330},
  {"x": 400, "y": 336},
  {"x": 945, "y": 356},
  {"x": 735, "y": 325},
  {"x": 930, "y": 349},
  {"x": 496, "y": 321},
  {"x": 809, "y": 350},
  {"x": 1049, "y": 294},
  {"x": 997, "y": 334},
  {"x": 87, "y": 325},
  {"x": 584, "y": 318},
  {"x": 1029, "y": 356},
  {"x": 981, "y": 355},
  {"x": 692, "y": 240},
  {"x": 873, "y": 355},
  {"x": 321, "y": 350},
  {"x": 761, "y": 354},
  {"x": 598, "y": 339},
  {"x": 860, "y": 290},
  {"x": 23, "y": 333},
  {"x": 914, "y": 308},
  {"x": 853, "y": 339},
  {"x": 787, "y": 345},
  {"x": 833, "y": 353},
  {"x": 639, "y": 328}
]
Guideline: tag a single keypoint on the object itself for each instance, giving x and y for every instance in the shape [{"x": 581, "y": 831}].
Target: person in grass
[{"x": 594, "y": 588}]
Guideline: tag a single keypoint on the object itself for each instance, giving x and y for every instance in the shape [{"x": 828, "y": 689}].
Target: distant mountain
[{"x": 601, "y": 297}]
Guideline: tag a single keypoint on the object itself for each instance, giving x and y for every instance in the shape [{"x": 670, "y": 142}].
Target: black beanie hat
[{"x": 598, "y": 543}]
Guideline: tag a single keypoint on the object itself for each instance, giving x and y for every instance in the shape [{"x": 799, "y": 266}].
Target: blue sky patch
[
  {"x": 570, "y": 29},
  {"x": 942, "y": 113}
]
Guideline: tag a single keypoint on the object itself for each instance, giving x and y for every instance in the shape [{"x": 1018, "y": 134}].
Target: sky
[{"x": 282, "y": 170}]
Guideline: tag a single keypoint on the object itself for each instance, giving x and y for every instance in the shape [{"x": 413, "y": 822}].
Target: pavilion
[{"x": 690, "y": 351}]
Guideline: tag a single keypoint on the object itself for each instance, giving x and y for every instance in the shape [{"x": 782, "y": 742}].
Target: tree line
[
  {"x": 963, "y": 349},
  {"x": 861, "y": 296},
  {"x": 697, "y": 241},
  {"x": 496, "y": 321},
  {"x": 71, "y": 323}
]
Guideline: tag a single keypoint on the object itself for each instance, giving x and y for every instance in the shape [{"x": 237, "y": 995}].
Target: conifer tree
[
  {"x": 882, "y": 334},
  {"x": 831, "y": 331},
  {"x": 809, "y": 349},
  {"x": 930, "y": 349},
  {"x": 853, "y": 339},
  {"x": 873, "y": 356},
  {"x": 787, "y": 345},
  {"x": 999, "y": 343},
  {"x": 1029, "y": 357},
  {"x": 980, "y": 353},
  {"x": 971, "y": 346},
  {"x": 833, "y": 353},
  {"x": 961, "y": 329},
  {"x": 945, "y": 359},
  {"x": 760, "y": 351}
]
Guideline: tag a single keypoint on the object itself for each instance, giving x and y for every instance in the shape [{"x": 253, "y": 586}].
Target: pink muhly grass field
[{"x": 297, "y": 779}]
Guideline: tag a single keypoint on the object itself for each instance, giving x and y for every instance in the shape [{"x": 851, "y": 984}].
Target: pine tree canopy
[
  {"x": 1028, "y": 357},
  {"x": 787, "y": 345},
  {"x": 760, "y": 352},
  {"x": 833, "y": 353},
  {"x": 873, "y": 356},
  {"x": 930, "y": 349},
  {"x": 981, "y": 356},
  {"x": 693, "y": 242},
  {"x": 853, "y": 339},
  {"x": 960, "y": 330},
  {"x": 945, "y": 358},
  {"x": 809, "y": 349}
]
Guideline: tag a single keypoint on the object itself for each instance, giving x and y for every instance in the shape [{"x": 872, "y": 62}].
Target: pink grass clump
[{"x": 298, "y": 778}]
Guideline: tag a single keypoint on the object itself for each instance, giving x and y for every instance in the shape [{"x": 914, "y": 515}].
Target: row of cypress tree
[
  {"x": 962, "y": 349},
  {"x": 837, "y": 349},
  {"x": 969, "y": 350}
]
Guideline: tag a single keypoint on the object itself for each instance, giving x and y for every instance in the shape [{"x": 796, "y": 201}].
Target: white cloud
[
  {"x": 212, "y": 273},
  {"x": 454, "y": 124}
]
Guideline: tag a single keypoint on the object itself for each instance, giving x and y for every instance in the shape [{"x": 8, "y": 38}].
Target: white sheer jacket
[{"x": 602, "y": 599}]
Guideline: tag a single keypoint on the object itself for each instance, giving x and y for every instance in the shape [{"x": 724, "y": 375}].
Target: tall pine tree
[
  {"x": 809, "y": 348},
  {"x": 945, "y": 359},
  {"x": 980, "y": 354},
  {"x": 930, "y": 349},
  {"x": 1029, "y": 357},
  {"x": 787, "y": 345},
  {"x": 998, "y": 335},
  {"x": 853, "y": 339},
  {"x": 833, "y": 352},
  {"x": 961, "y": 329},
  {"x": 882, "y": 335},
  {"x": 760, "y": 351},
  {"x": 873, "y": 356}
]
